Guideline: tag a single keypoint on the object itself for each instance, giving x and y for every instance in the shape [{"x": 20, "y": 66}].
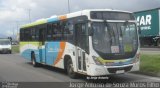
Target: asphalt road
[{"x": 14, "y": 68}]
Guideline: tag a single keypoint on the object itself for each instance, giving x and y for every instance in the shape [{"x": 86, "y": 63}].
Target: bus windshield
[{"x": 115, "y": 40}]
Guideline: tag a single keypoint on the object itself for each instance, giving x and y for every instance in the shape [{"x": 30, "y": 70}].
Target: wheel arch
[
  {"x": 66, "y": 58},
  {"x": 158, "y": 42},
  {"x": 32, "y": 53}
]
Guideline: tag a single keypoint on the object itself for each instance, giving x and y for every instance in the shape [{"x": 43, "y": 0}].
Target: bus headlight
[{"x": 96, "y": 60}]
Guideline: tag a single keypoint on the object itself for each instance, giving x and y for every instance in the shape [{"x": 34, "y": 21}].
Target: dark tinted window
[
  {"x": 68, "y": 31},
  {"x": 49, "y": 32},
  {"x": 111, "y": 15},
  {"x": 27, "y": 34},
  {"x": 82, "y": 39},
  {"x": 54, "y": 32},
  {"x": 33, "y": 34},
  {"x": 36, "y": 34},
  {"x": 60, "y": 31},
  {"x": 21, "y": 34}
]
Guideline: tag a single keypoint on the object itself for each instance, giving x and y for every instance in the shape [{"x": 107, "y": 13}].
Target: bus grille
[{"x": 113, "y": 70}]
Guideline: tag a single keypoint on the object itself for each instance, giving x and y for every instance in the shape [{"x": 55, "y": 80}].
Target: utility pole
[
  {"x": 29, "y": 15},
  {"x": 68, "y": 6},
  {"x": 13, "y": 33},
  {"x": 17, "y": 27},
  {"x": 17, "y": 32}
]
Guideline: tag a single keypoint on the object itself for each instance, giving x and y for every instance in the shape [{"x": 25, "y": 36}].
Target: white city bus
[{"x": 92, "y": 42}]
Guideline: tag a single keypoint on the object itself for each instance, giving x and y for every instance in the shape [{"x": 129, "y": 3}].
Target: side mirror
[{"x": 139, "y": 30}]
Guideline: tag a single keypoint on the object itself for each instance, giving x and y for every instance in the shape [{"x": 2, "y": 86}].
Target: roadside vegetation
[
  {"x": 150, "y": 64},
  {"x": 15, "y": 48}
]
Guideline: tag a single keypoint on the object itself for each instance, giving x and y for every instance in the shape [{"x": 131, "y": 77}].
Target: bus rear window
[{"x": 111, "y": 15}]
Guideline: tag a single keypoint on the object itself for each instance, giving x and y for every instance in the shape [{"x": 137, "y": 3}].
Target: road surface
[
  {"x": 15, "y": 68},
  {"x": 151, "y": 50}
]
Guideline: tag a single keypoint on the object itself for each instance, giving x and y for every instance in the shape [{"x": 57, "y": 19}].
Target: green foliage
[
  {"x": 150, "y": 64},
  {"x": 15, "y": 48}
]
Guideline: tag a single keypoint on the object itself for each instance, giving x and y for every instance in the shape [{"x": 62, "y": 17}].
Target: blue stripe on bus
[
  {"x": 47, "y": 55},
  {"x": 27, "y": 54},
  {"x": 52, "y": 20},
  {"x": 52, "y": 50}
]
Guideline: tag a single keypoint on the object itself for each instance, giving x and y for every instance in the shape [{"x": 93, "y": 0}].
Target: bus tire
[
  {"x": 158, "y": 42},
  {"x": 33, "y": 60},
  {"x": 70, "y": 70}
]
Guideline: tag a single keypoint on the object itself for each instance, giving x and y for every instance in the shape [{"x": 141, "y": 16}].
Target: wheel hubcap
[
  {"x": 70, "y": 69},
  {"x": 33, "y": 62}
]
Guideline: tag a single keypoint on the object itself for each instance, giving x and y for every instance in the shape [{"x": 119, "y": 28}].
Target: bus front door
[{"x": 80, "y": 41}]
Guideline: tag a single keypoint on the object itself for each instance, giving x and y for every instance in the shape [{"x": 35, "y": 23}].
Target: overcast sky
[{"x": 14, "y": 13}]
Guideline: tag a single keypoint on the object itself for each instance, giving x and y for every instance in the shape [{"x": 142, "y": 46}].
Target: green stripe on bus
[
  {"x": 35, "y": 23},
  {"x": 32, "y": 43}
]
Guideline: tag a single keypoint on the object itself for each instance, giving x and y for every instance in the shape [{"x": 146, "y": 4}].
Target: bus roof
[{"x": 66, "y": 16}]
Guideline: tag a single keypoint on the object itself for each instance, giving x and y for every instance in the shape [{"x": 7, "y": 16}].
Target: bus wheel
[
  {"x": 70, "y": 70},
  {"x": 33, "y": 60},
  {"x": 158, "y": 42}
]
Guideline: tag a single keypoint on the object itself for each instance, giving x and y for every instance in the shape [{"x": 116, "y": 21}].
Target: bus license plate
[{"x": 120, "y": 71}]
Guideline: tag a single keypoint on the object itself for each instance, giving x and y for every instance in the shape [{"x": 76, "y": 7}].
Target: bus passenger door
[
  {"x": 42, "y": 51},
  {"x": 81, "y": 41}
]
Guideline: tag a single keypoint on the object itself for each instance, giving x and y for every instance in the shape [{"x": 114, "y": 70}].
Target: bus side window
[
  {"x": 36, "y": 34},
  {"x": 57, "y": 32},
  {"x": 33, "y": 38},
  {"x": 65, "y": 29},
  {"x": 27, "y": 36},
  {"x": 49, "y": 32},
  {"x": 68, "y": 32},
  {"x": 42, "y": 33},
  {"x": 22, "y": 35}
]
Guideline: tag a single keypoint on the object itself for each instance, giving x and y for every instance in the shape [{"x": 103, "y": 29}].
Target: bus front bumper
[{"x": 100, "y": 70}]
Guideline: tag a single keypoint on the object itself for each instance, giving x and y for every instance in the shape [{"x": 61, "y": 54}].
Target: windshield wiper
[{"x": 109, "y": 30}]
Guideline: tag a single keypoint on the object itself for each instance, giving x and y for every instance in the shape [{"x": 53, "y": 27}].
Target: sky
[{"x": 14, "y": 13}]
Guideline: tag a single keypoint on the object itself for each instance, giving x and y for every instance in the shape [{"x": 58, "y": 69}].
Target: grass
[
  {"x": 15, "y": 48},
  {"x": 150, "y": 64}
]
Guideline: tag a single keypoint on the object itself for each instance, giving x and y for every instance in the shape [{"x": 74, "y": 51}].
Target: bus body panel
[
  {"x": 130, "y": 64},
  {"x": 53, "y": 52},
  {"x": 27, "y": 47}
]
